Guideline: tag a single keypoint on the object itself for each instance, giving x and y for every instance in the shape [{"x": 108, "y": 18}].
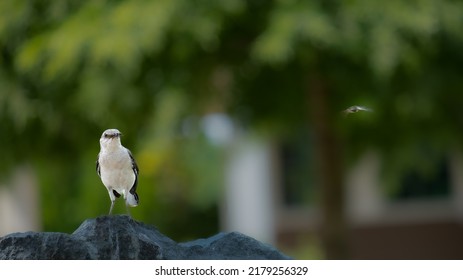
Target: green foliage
[{"x": 399, "y": 33}]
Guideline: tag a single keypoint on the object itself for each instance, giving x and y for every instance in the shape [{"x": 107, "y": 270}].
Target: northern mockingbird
[{"x": 117, "y": 169}]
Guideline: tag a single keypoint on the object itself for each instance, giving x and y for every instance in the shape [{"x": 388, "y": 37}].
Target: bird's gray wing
[
  {"x": 98, "y": 165},
  {"x": 135, "y": 171},
  {"x": 365, "y": 109}
]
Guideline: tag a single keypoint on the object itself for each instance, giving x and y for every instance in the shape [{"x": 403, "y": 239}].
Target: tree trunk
[{"x": 328, "y": 158}]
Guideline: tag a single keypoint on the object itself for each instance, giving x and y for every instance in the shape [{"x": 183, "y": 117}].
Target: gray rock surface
[{"x": 120, "y": 237}]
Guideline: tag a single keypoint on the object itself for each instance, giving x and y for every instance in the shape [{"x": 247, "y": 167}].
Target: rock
[{"x": 120, "y": 237}]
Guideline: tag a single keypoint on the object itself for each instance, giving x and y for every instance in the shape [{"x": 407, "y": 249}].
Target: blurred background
[{"x": 232, "y": 110}]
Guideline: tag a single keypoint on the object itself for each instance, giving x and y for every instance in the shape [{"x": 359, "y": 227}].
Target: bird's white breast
[{"x": 116, "y": 170}]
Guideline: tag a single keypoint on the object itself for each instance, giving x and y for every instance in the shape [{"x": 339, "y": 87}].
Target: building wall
[{"x": 19, "y": 202}]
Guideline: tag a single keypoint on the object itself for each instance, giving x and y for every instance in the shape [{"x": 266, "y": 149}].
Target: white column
[
  {"x": 365, "y": 202},
  {"x": 248, "y": 197}
]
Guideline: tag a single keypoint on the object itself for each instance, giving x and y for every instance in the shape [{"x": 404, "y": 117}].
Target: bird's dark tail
[{"x": 132, "y": 199}]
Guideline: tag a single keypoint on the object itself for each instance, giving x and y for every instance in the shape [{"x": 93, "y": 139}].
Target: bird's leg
[
  {"x": 112, "y": 197},
  {"x": 128, "y": 209},
  {"x": 111, "y": 208}
]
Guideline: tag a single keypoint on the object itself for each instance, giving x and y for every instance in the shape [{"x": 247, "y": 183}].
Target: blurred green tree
[{"x": 70, "y": 70}]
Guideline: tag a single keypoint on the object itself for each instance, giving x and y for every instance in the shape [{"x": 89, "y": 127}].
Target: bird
[
  {"x": 117, "y": 169},
  {"x": 355, "y": 109}
]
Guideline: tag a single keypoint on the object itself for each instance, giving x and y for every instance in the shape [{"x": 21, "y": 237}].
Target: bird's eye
[{"x": 105, "y": 135}]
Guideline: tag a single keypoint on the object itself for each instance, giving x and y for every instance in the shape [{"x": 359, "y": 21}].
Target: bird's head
[{"x": 110, "y": 137}]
